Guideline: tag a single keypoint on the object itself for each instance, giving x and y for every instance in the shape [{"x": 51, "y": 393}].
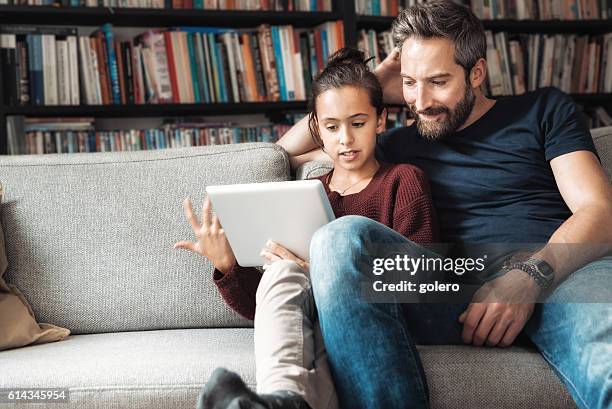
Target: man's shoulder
[{"x": 546, "y": 96}]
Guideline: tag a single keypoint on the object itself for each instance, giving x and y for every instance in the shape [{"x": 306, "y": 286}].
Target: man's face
[{"x": 434, "y": 86}]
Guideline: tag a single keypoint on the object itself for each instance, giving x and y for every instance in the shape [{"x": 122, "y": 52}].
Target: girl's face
[{"x": 348, "y": 125}]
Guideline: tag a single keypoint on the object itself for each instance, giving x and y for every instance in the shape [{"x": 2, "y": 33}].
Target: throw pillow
[{"x": 18, "y": 326}]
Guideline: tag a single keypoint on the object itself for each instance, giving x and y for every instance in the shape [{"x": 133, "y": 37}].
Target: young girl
[{"x": 292, "y": 372}]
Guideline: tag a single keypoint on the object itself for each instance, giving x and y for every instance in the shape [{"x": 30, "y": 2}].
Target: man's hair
[{"x": 444, "y": 19}]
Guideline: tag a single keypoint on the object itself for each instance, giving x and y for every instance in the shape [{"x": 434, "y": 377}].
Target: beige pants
[{"x": 289, "y": 350}]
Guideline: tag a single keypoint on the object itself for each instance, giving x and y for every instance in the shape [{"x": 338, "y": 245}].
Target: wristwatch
[{"x": 541, "y": 272}]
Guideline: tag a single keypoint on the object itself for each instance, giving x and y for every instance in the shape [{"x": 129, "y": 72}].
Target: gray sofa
[{"x": 89, "y": 242}]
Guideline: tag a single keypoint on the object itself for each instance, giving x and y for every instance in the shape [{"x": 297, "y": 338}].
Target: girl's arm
[
  {"x": 238, "y": 288},
  {"x": 236, "y": 284}
]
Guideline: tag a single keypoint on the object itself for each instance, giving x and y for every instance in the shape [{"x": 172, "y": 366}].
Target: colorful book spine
[
  {"x": 278, "y": 57},
  {"x": 194, "y": 69},
  {"x": 112, "y": 63}
]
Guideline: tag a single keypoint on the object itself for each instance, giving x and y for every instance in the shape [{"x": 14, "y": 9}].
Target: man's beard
[{"x": 434, "y": 130}]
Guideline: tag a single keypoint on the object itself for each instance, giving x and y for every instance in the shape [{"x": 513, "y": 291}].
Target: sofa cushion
[
  {"x": 89, "y": 236},
  {"x": 603, "y": 143},
  {"x": 167, "y": 369},
  {"x": 148, "y": 369},
  {"x": 18, "y": 326}
]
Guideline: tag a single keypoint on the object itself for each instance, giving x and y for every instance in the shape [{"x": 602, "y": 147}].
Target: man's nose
[{"x": 423, "y": 99}]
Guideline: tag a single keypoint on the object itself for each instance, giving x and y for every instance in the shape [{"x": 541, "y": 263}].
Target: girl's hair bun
[{"x": 347, "y": 56}]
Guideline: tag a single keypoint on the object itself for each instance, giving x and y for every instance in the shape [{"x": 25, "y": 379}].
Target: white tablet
[{"x": 287, "y": 213}]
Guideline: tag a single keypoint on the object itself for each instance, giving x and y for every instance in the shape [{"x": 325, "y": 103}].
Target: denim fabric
[
  {"x": 576, "y": 338},
  {"x": 371, "y": 346}
]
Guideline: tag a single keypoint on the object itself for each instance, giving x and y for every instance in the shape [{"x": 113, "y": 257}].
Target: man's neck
[{"x": 482, "y": 105}]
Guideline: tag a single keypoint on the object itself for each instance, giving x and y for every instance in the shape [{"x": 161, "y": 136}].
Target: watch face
[{"x": 544, "y": 268}]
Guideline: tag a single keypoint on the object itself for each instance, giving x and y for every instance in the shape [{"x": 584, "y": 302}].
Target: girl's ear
[{"x": 381, "y": 122}]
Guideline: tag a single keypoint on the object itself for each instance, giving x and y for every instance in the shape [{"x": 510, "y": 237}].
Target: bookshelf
[
  {"x": 527, "y": 27},
  {"x": 139, "y": 18}
]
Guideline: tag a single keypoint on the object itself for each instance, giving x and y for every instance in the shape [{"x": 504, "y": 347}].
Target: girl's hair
[{"x": 346, "y": 67}]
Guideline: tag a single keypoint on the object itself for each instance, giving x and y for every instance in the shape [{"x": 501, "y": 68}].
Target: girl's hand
[
  {"x": 274, "y": 252},
  {"x": 211, "y": 241}
]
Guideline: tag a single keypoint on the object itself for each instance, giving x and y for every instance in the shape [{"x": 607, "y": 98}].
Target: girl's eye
[{"x": 331, "y": 127}]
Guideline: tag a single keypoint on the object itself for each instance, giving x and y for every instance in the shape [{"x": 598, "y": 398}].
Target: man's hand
[
  {"x": 499, "y": 310},
  {"x": 211, "y": 241},
  {"x": 388, "y": 74},
  {"x": 274, "y": 252}
]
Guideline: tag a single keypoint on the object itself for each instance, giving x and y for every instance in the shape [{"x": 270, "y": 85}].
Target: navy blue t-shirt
[{"x": 492, "y": 181}]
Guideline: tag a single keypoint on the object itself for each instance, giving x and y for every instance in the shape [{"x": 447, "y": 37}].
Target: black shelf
[
  {"x": 163, "y": 110},
  {"x": 137, "y": 17},
  {"x": 593, "y": 98},
  {"x": 156, "y": 110},
  {"x": 380, "y": 23}
]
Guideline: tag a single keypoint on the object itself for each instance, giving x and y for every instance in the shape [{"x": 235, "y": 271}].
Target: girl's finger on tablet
[{"x": 269, "y": 256}]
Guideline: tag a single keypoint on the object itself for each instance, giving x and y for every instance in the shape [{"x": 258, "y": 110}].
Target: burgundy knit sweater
[{"x": 397, "y": 196}]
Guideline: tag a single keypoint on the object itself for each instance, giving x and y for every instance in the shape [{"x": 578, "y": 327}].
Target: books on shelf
[
  {"x": 180, "y": 65},
  {"x": 78, "y": 135},
  {"x": 377, "y": 45},
  {"x": 542, "y": 9},
  {"x": 577, "y": 64},
  {"x": 381, "y": 7},
  {"x": 42, "y": 65},
  {"x": 258, "y": 5}
]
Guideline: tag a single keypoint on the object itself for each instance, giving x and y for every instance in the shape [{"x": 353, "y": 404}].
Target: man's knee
[{"x": 337, "y": 234}]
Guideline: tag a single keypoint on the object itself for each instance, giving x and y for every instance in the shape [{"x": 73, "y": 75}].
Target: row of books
[
  {"x": 388, "y": 8},
  {"x": 519, "y": 63},
  {"x": 259, "y": 5},
  {"x": 542, "y": 9},
  {"x": 598, "y": 117},
  {"x": 573, "y": 63},
  {"x": 375, "y": 44},
  {"x": 78, "y": 135},
  {"x": 56, "y": 66}
]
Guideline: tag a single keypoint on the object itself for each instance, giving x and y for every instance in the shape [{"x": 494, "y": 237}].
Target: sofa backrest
[
  {"x": 89, "y": 236},
  {"x": 603, "y": 142},
  {"x": 601, "y": 136}
]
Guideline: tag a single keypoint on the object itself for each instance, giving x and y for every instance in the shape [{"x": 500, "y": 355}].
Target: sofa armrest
[
  {"x": 311, "y": 170},
  {"x": 602, "y": 137}
]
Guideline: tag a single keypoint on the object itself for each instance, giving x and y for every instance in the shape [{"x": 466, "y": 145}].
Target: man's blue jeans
[{"x": 371, "y": 346}]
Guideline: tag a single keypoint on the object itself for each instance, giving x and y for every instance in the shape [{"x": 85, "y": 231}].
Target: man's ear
[
  {"x": 381, "y": 122},
  {"x": 478, "y": 74}
]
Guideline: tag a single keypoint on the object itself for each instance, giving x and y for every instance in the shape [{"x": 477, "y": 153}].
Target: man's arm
[
  {"x": 300, "y": 146},
  {"x": 587, "y": 234},
  {"x": 503, "y": 306},
  {"x": 388, "y": 74}
]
